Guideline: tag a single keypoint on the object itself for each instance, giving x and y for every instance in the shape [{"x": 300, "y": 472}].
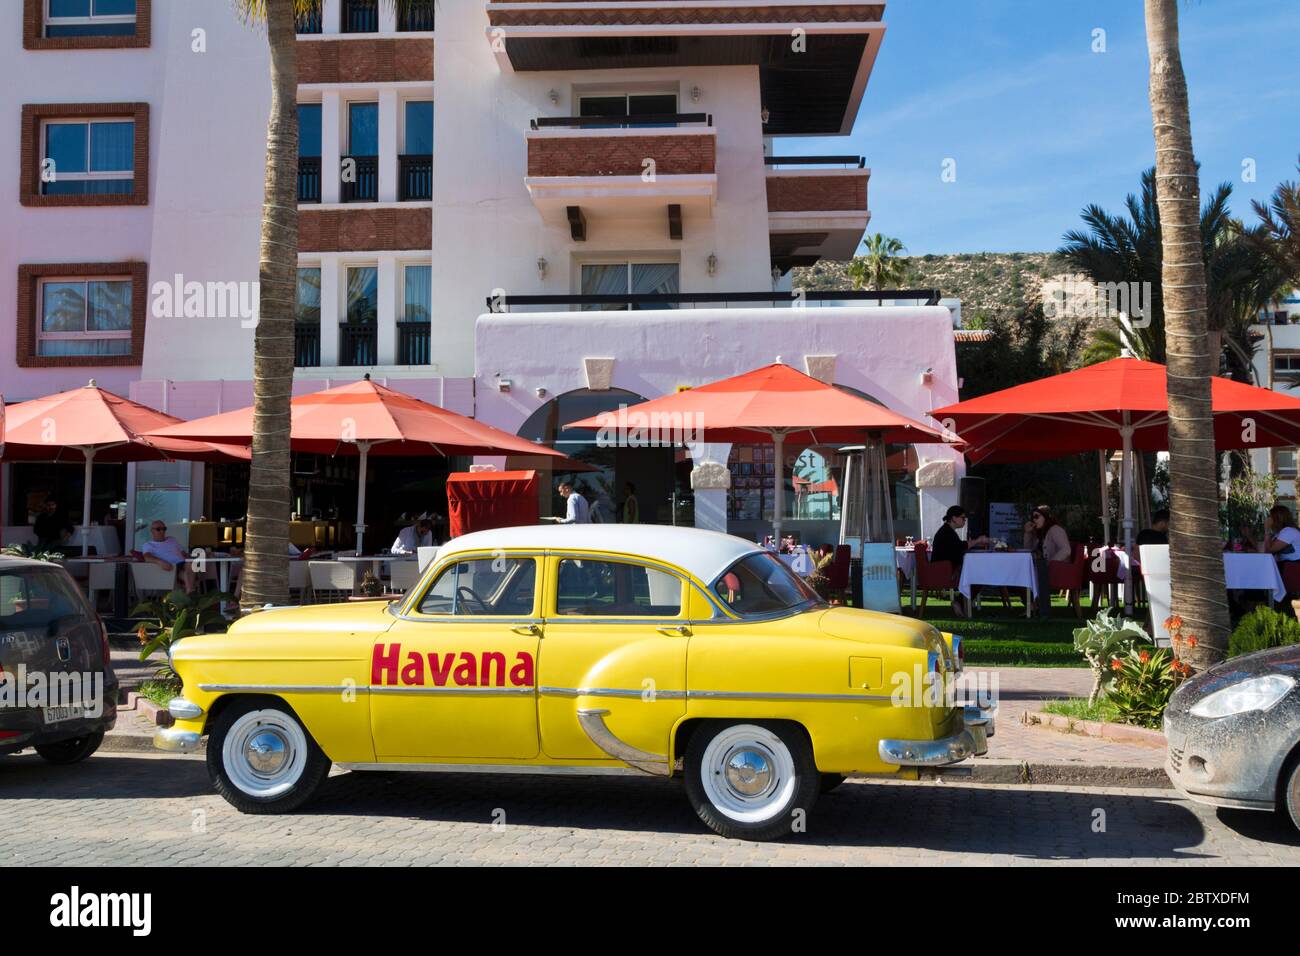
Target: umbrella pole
[
  {"x": 363, "y": 451},
  {"x": 1105, "y": 499},
  {"x": 85, "y": 502},
  {"x": 778, "y": 490},
  {"x": 1126, "y": 469}
]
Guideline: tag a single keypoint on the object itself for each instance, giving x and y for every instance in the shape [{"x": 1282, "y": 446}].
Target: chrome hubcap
[
  {"x": 748, "y": 773},
  {"x": 266, "y": 752}
]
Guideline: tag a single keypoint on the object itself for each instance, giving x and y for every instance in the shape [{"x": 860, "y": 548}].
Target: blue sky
[{"x": 1040, "y": 125}]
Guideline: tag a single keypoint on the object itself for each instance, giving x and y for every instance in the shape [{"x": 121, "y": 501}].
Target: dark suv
[{"x": 58, "y": 693}]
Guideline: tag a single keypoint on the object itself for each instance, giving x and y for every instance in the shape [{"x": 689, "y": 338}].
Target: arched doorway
[{"x": 660, "y": 476}]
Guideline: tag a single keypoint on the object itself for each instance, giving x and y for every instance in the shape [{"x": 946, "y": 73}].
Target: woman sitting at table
[
  {"x": 1048, "y": 542},
  {"x": 1281, "y": 537},
  {"x": 948, "y": 546}
]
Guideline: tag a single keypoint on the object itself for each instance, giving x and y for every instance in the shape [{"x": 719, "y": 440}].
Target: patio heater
[{"x": 867, "y": 522}]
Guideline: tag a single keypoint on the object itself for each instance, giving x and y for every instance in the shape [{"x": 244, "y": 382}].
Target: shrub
[
  {"x": 1101, "y": 641},
  {"x": 1261, "y": 629},
  {"x": 175, "y": 616},
  {"x": 1144, "y": 681}
]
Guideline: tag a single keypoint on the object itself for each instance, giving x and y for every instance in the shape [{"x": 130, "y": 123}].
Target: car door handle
[
  {"x": 674, "y": 629},
  {"x": 526, "y": 629}
]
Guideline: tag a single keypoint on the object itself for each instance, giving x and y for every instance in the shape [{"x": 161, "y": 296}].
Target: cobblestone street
[{"x": 153, "y": 810}]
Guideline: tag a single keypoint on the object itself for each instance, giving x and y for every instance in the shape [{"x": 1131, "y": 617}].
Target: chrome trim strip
[
  {"x": 758, "y": 695},
  {"x": 420, "y": 690},
  {"x": 283, "y": 688},
  {"x": 182, "y": 709},
  {"x": 610, "y": 692},
  {"x": 547, "y": 691},
  {"x": 592, "y": 721},
  {"x": 576, "y": 770},
  {"x": 933, "y": 753},
  {"x": 176, "y": 741}
]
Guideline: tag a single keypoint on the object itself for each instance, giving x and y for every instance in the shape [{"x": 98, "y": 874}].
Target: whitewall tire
[{"x": 262, "y": 759}]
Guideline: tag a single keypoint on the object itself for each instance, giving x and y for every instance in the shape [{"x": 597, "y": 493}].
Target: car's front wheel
[
  {"x": 262, "y": 759},
  {"x": 751, "y": 781},
  {"x": 71, "y": 751},
  {"x": 1291, "y": 791}
]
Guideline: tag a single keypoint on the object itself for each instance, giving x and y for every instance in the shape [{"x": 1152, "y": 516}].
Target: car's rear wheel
[
  {"x": 71, "y": 751},
  {"x": 1290, "y": 796},
  {"x": 262, "y": 759},
  {"x": 751, "y": 781}
]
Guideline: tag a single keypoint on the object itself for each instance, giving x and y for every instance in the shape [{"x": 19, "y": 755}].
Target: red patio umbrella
[
  {"x": 1122, "y": 404},
  {"x": 775, "y": 403},
  {"x": 363, "y": 417},
  {"x": 89, "y": 424}
]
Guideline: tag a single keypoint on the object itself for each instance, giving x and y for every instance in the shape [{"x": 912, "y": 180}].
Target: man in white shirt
[
  {"x": 409, "y": 539},
  {"x": 577, "y": 512},
  {"x": 166, "y": 552}
]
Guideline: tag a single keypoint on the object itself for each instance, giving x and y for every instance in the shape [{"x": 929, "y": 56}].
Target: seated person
[
  {"x": 1158, "y": 533},
  {"x": 51, "y": 527},
  {"x": 409, "y": 539},
  {"x": 948, "y": 545},
  {"x": 166, "y": 552},
  {"x": 1281, "y": 538}
]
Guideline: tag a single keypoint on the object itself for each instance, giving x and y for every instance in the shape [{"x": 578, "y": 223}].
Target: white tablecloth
[
  {"x": 905, "y": 558},
  {"x": 1253, "y": 572},
  {"x": 1118, "y": 552},
  {"x": 991, "y": 569},
  {"x": 102, "y": 538}
]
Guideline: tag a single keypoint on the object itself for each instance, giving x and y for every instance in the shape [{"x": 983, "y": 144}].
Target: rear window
[
  {"x": 34, "y": 598},
  {"x": 761, "y": 584}
]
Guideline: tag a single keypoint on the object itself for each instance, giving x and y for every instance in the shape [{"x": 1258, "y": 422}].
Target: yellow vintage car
[{"x": 583, "y": 649}]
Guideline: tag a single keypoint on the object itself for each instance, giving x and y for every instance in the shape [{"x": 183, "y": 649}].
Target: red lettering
[
  {"x": 467, "y": 671},
  {"x": 521, "y": 675},
  {"x": 490, "y": 658},
  {"x": 439, "y": 667},
  {"x": 413, "y": 672},
  {"x": 383, "y": 665}
]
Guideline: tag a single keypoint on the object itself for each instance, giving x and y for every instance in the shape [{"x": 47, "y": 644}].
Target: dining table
[
  {"x": 999, "y": 569},
  {"x": 1253, "y": 571}
]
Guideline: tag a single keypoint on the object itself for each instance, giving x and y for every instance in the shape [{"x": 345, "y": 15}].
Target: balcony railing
[
  {"x": 364, "y": 186},
  {"x": 358, "y": 344},
  {"x": 414, "y": 343},
  {"x": 414, "y": 178},
  {"x": 360, "y": 16},
  {"x": 636, "y": 121},
  {"x": 311, "y": 20},
  {"x": 711, "y": 300},
  {"x": 859, "y": 162},
  {"x": 306, "y": 345},
  {"x": 308, "y": 179},
  {"x": 416, "y": 17}
]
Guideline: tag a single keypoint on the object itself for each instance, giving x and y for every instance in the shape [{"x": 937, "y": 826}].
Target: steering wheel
[{"x": 466, "y": 593}]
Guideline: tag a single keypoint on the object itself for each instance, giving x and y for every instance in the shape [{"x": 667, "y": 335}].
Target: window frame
[
  {"x": 554, "y": 615},
  {"x": 85, "y": 335},
  {"x": 38, "y": 117},
  {"x": 30, "y": 304},
  {"x": 48, "y": 19},
  {"x": 403, "y": 119},
  {"x": 36, "y": 19},
  {"x": 649, "y": 259},
  {"x": 89, "y": 175},
  {"x": 402, "y": 266},
  {"x": 411, "y": 609}
]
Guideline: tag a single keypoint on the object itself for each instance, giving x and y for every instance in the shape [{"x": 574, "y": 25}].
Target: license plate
[{"x": 54, "y": 715}]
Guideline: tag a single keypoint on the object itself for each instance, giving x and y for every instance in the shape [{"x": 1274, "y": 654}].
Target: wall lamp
[
  {"x": 541, "y": 267},
  {"x": 712, "y": 263}
]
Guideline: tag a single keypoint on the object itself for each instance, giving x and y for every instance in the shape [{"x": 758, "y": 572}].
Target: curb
[
  {"x": 1102, "y": 730},
  {"x": 1004, "y": 771},
  {"x": 124, "y": 743}
]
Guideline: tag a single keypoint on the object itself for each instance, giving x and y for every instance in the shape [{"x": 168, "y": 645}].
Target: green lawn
[
  {"x": 1080, "y": 709},
  {"x": 997, "y": 637}
]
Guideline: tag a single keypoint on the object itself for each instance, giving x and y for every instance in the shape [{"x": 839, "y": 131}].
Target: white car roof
[{"x": 705, "y": 554}]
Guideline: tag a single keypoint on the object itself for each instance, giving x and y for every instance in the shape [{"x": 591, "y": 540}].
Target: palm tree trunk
[
  {"x": 266, "y": 555},
  {"x": 1195, "y": 548}
]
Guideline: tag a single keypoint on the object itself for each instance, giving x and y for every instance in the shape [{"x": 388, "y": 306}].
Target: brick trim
[
  {"x": 34, "y": 31},
  {"x": 29, "y": 171},
  {"x": 598, "y": 155},
  {"x": 817, "y": 193},
  {"x": 29, "y": 275},
  {"x": 686, "y": 13},
  {"x": 365, "y": 61},
  {"x": 364, "y": 230}
]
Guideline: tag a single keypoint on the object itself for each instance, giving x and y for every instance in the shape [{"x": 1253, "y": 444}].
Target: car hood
[
  {"x": 876, "y": 627},
  {"x": 354, "y": 617}
]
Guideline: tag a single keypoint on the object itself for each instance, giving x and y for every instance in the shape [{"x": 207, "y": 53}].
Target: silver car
[{"x": 1234, "y": 733}]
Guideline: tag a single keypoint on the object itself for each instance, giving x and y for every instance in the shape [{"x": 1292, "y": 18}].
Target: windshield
[
  {"x": 35, "y": 599},
  {"x": 762, "y": 584}
]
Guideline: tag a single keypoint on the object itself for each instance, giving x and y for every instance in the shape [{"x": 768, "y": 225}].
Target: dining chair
[
  {"x": 404, "y": 576},
  {"x": 932, "y": 575},
  {"x": 1105, "y": 582},
  {"x": 1068, "y": 576},
  {"x": 148, "y": 578},
  {"x": 299, "y": 582},
  {"x": 331, "y": 581}
]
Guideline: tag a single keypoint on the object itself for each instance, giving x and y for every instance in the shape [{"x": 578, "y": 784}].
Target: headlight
[{"x": 1257, "y": 693}]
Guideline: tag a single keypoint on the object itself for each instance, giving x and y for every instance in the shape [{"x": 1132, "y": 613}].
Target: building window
[
  {"x": 85, "y": 154},
  {"x": 81, "y": 315},
  {"x": 310, "y": 20},
  {"x": 629, "y": 278},
  {"x": 414, "y": 332},
  {"x": 358, "y": 339},
  {"x": 415, "y": 165},
  {"x": 309, "y": 144},
  {"x": 360, "y": 16},
  {"x": 88, "y": 157},
  {"x": 1284, "y": 463},
  {"x": 623, "y": 105},
  {"x": 85, "y": 24},
  {"x": 1286, "y": 363},
  {"x": 306, "y": 327},
  {"x": 415, "y": 16},
  {"x": 360, "y": 172}
]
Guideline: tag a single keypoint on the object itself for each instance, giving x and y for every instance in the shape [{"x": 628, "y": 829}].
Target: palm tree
[
  {"x": 265, "y": 578},
  {"x": 1279, "y": 235},
  {"x": 881, "y": 267},
  {"x": 1199, "y": 595}
]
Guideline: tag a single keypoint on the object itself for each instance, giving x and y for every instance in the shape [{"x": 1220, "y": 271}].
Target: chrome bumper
[
  {"x": 176, "y": 741},
  {"x": 970, "y": 742},
  {"x": 979, "y": 716}
]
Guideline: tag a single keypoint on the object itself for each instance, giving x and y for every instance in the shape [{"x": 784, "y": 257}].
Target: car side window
[
  {"x": 588, "y": 588},
  {"x": 37, "y": 599},
  {"x": 483, "y": 586}
]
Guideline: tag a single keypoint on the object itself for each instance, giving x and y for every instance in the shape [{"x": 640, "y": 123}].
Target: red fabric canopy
[
  {"x": 479, "y": 500},
  {"x": 753, "y": 406},
  {"x": 333, "y": 421},
  {"x": 61, "y": 427},
  {"x": 1086, "y": 409}
]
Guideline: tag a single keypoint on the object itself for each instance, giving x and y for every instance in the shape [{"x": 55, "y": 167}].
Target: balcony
[
  {"x": 360, "y": 16},
  {"x": 416, "y": 17},
  {"x": 414, "y": 343},
  {"x": 308, "y": 179},
  {"x": 358, "y": 344},
  {"x": 414, "y": 178},
  {"x": 360, "y": 179},
  {"x": 817, "y": 207},
  {"x": 633, "y": 167},
  {"x": 306, "y": 345},
  {"x": 712, "y": 300},
  {"x": 809, "y": 87}
]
